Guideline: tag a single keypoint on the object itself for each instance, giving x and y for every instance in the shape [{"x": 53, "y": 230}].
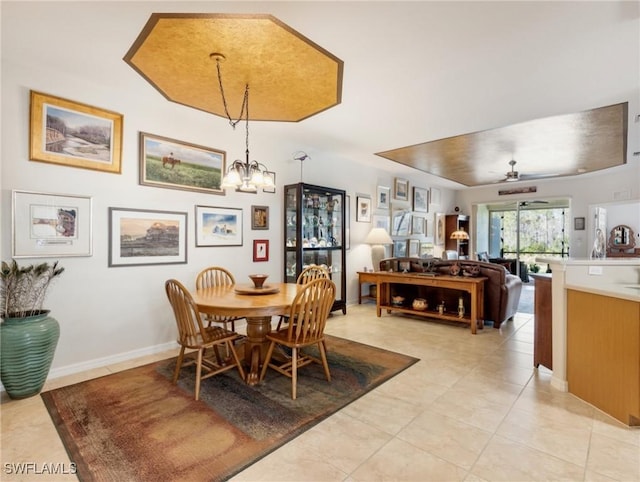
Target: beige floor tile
[
  {"x": 446, "y": 438},
  {"x": 399, "y": 460},
  {"x": 563, "y": 439},
  {"x": 613, "y": 458},
  {"x": 383, "y": 412},
  {"x": 508, "y": 461}
]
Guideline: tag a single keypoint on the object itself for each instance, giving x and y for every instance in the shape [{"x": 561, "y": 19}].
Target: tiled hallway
[{"x": 472, "y": 409}]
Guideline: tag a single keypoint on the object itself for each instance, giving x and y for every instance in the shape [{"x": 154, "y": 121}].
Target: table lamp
[
  {"x": 377, "y": 238},
  {"x": 460, "y": 234}
]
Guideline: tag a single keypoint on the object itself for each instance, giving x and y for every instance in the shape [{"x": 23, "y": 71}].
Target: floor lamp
[{"x": 377, "y": 238}]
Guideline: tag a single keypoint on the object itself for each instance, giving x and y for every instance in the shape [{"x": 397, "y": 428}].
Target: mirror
[{"x": 621, "y": 240}]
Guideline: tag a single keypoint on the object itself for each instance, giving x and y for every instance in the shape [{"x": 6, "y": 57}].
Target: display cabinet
[{"x": 314, "y": 233}]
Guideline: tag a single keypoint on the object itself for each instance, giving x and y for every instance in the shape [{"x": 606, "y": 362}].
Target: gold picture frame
[{"x": 73, "y": 134}]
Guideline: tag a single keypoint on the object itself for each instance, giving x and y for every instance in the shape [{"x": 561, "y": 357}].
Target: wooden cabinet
[
  {"x": 314, "y": 233},
  {"x": 603, "y": 353},
  {"x": 542, "y": 339},
  {"x": 455, "y": 222}
]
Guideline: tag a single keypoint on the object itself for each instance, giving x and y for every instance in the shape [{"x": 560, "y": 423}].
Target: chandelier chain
[{"x": 245, "y": 101}]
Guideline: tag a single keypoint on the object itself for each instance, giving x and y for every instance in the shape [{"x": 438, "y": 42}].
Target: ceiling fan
[{"x": 514, "y": 175}]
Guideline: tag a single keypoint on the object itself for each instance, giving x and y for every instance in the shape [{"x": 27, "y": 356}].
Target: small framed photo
[
  {"x": 578, "y": 224},
  {"x": 413, "y": 248},
  {"x": 381, "y": 221},
  {"x": 271, "y": 189},
  {"x": 363, "y": 208},
  {"x": 382, "y": 197},
  {"x": 420, "y": 199},
  {"x": 417, "y": 225},
  {"x": 175, "y": 164},
  {"x": 426, "y": 250},
  {"x": 259, "y": 217},
  {"x": 72, "y": 134},
  {"x": 140, "y": 237},
  {"x": 399, "y": 248},
  {"x": 261, "y": 250},
  {"x": 401, "y": 189},
  {"x": 217, "y": 226},
  {"x": 51, "y": 225}
]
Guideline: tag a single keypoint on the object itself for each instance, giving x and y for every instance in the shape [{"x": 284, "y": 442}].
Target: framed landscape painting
[
  {"x": 174, "y": 164},
  {"x": 145, "y": 237},
  {"x": 420, "y": 199},
  {"x": 217, "y": 226},
  {"x": 72, "y": 134},
  {"x": 51, "y": 225}
]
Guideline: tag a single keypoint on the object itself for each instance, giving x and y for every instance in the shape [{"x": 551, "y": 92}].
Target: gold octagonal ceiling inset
[{"x": 290, "y": 78}]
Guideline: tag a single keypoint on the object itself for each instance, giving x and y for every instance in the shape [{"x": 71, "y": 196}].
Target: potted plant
[{"x": 28, "y": 335}]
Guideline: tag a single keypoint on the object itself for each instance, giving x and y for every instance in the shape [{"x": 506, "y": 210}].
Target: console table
[{"x": 387, "y": 285}]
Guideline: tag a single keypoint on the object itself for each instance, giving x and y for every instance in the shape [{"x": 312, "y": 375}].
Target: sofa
[{"x": 501, "y": 290}]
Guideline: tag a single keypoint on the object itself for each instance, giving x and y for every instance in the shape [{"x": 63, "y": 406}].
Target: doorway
[{"x": 524, "y": 230}]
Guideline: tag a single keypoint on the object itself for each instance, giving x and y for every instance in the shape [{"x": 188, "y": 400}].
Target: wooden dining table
[{"x": 257, "y": 306}]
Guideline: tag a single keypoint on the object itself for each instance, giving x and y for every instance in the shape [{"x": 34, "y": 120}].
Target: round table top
[{"x": 224, "y": 300}]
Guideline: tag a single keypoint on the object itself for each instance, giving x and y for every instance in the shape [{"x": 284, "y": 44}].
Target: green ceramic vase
[{"x": 28, "y": 345}]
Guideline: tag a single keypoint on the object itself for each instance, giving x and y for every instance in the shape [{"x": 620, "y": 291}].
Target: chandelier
[{"x": 244, "y": 176}]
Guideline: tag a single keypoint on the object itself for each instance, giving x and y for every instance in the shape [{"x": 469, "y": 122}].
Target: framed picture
[
  {"x": 382, "y": 197},
  {"x": 434, "y": 196},
  {"x": 426, "y": 250},
  {"x": 401, "y": 189},
  {"x": 259, "y": 217},
  {"x": 144, "y": 237},
  {"x": 578, "y": 224},
  {"x": 72, "y": 134},
  {"x": 272, "y": 175},
  {"x": 417, "y": 225},
  {"x": 399, "y": 248},
  {"x": 347, "y": 222},
  {"x": 363, "y": 208},
  {"x": 413, "y": 248},
  {"x": 439, "y": 229},
  {"x": 51, "y": 225},
  {"x": 175, "y": 164},
  {"x": 261, "y": 250},
  {"x": 420, "y": 199},
  {"x": 216, "y": 226},
  {"x": 381, "y": 221},
  {"x": 401, "y": 223}
]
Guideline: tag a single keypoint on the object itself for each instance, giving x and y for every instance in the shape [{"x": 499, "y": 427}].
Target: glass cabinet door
[{"x": 314, "y": 234}]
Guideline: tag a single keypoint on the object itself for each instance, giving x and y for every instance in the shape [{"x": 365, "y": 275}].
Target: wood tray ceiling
[
  {"x": 290, "y": 78},
  {"x": 563, "y": 145}
]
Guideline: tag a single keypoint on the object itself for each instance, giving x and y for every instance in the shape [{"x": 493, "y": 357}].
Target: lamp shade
[
  {"x": 378, "y": 236},
  {"x": 459, "y": 234}
]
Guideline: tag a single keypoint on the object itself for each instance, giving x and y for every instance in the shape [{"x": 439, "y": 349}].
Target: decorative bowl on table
[
  {"x": 258, "y": 279},
  {"x": 419, "y": 304},
  {"x": 397, "y": 300}
]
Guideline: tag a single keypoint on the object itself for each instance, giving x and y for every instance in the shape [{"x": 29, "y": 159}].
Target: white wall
[
  {"x": 109, "y": 313},
  {"x": 74, "y": 50}
]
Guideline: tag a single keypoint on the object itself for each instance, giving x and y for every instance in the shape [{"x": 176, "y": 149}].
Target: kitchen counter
[{"x": 612, "y": 277}]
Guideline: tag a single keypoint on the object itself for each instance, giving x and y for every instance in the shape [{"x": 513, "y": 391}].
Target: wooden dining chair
[
  {"x": 194, "y": 335},
  {"x": 217, "y": 276},
  {"x": 310, "y": 273},
  {"x": 310, "y": 308}
]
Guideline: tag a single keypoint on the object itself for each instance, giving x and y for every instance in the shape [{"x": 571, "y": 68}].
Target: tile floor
[{"x": 472, "y": 409}]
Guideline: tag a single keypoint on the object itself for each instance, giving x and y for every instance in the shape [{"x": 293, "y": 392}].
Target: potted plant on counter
[{"x": 28, "y": 335}]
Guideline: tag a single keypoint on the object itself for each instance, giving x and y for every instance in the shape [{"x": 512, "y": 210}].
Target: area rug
[{"x": 136, "y": 426}]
